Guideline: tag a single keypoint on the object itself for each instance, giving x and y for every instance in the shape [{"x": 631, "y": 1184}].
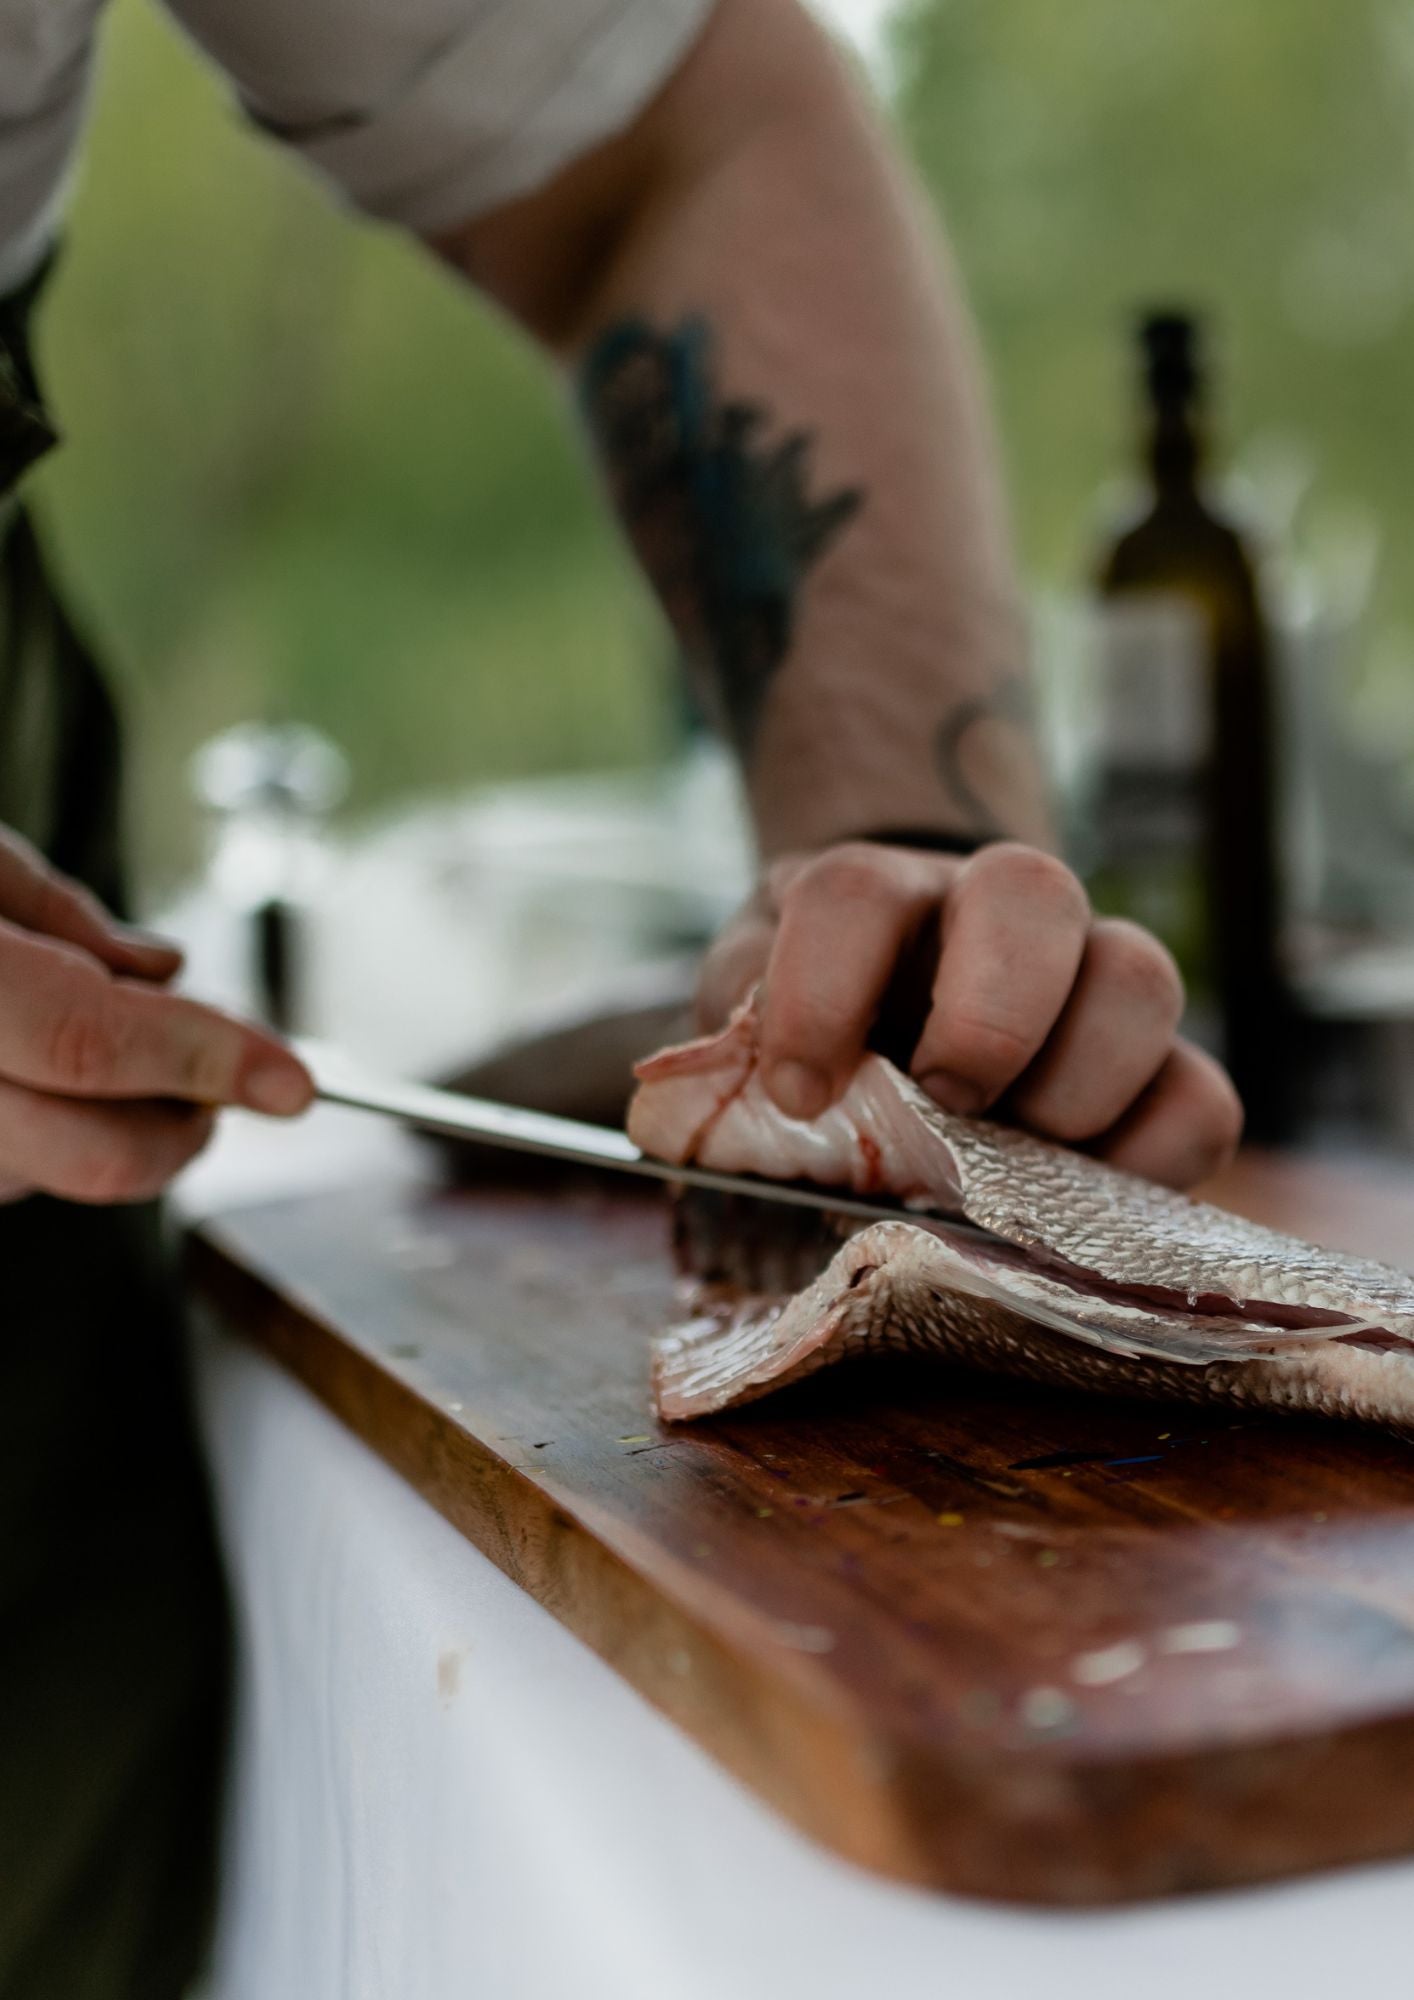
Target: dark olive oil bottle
[{"x": 1185, "y": 796}]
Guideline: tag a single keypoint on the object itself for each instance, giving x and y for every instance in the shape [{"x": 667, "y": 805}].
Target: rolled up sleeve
[{"x": 430, "y": 112}]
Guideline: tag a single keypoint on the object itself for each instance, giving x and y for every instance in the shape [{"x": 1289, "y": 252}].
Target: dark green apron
[{"x": 112, "y": 1621}]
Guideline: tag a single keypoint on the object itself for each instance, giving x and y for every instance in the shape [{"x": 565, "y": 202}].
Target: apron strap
[
  {"x": 26, "y": 432},
  {"x": 58, "y": 734}
]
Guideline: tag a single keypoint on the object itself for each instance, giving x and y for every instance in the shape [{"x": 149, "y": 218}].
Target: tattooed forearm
[
  {"x": 720, "y": 515},
  {"x": 965, "y": 750}
]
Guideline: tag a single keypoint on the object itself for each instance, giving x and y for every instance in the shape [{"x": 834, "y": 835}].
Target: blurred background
[{"x": 307, "y": 481}]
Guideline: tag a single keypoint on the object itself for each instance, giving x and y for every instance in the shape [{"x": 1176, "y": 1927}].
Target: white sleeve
[{"x": 429, "y": 112}]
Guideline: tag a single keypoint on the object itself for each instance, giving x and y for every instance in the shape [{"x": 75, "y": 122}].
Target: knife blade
[{"x": 451, "y": 1115}]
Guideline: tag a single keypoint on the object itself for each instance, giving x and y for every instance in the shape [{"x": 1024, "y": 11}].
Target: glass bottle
[{"x": 1184, "y": 800}]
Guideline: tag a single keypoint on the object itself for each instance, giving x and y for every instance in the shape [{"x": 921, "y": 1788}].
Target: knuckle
[
  {"x": 191, "y": 1053},
  {"x": 1033, "y": 872},
  {"x": 851, "y": 872},
  {"x": 205, "y": 1068},
  {"x": 1133, "y": 962},
  {"x": 81, "y": 1042}
]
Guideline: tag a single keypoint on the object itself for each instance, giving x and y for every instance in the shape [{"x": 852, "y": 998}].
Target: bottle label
[{"x": 1153, "y": 707}]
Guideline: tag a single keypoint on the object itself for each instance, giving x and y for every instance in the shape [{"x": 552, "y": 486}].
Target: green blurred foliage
[
  {"x": 1253, "y": 161},
  {"x": 308, "y": 475}
]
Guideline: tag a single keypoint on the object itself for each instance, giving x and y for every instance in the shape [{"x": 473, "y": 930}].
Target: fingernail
[
  {"x": 141, "y": 940},
  {"x": 953, "y": 1093},
  {"x": 279, "y": 1089},
  {"x": 801, "y": 1090}
]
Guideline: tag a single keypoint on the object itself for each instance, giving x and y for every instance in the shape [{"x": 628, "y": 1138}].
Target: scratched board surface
[{"x": 1018, "y": 1643}]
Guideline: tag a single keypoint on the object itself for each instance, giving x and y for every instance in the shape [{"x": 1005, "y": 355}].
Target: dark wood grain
[{"x": 954, "y": 1629}]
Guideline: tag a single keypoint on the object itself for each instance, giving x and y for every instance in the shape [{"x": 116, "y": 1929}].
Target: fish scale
[
  {"x": 730, "y": 1347},
  {"x": 1131, "y": 1233},
  {"x": 1070, "y": 1270}
]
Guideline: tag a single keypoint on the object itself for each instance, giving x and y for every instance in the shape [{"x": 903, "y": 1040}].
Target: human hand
[
  {"x": 109, "y": 1083},
  {"x": 989, "y": 979}
]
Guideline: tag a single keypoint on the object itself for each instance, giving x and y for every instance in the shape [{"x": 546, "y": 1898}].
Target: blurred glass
[{"x": 268, "y": 791}]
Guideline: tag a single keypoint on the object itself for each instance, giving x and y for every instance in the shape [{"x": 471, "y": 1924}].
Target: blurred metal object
[
  {"x": 269, "y": 789},
  {"x": 482, "y": 1122}
]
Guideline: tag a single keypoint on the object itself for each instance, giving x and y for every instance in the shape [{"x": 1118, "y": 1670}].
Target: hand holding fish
[
  {"x": 989, "y": 979},
  {"x": 778, "y": 381}
]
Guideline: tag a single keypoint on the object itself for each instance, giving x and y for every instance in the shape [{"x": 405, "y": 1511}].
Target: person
[{"x": 691, "y": 205}]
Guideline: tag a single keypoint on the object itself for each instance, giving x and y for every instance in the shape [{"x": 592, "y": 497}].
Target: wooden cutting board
[{"x": 1013, "y": 1643}]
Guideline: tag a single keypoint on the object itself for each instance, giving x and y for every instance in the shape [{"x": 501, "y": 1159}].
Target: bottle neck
[{"x": 1175, "y": 450}]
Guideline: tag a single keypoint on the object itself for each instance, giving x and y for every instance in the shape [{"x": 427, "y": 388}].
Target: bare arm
[
  {"x": 875, "y": 679},
  {"x": 778, "y": 374}
]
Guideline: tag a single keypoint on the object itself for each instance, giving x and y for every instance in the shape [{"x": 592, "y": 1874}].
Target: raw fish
[{"x": 1087, "y": 1275}]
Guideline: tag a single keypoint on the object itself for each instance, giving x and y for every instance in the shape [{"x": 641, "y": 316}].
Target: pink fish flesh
[{"x": 1086, "y": 1274}]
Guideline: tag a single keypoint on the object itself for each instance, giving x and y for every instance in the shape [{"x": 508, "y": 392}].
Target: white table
[{"x": 440, "y": 1793}]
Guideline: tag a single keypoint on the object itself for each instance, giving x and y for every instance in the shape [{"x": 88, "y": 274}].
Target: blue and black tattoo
[{"x": 720, "y": 515}]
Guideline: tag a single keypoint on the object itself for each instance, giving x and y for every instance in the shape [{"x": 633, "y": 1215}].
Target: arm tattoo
[
  {"x": 1010, "y": 702},
  {"x": 719, "y": 514}
]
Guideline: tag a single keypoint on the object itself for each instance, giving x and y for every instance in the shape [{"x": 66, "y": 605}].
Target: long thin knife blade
[{"x": 338, "y": 1080}]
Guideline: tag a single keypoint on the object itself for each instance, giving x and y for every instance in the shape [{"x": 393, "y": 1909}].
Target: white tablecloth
[{"x": 439, "y": 1793}]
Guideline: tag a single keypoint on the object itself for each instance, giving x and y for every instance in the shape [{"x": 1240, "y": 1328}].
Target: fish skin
[
  {"x": 1094, "y": 1277},
  {"x": 891, "y": 1289}
]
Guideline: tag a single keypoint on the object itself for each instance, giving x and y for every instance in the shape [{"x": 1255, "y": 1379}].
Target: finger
[
  {"x": 845, "y": 921},
  {"x": 1111, "y": 1039},
  {"x": 96, "y": 1152},
  {"x": 1014, "y": 930},
  {"x": 38, "y": 898},
  {"x": 736, "y": 963},
  {"x": 68, "y": 1027},
  {"x": 1186, "y": 1125}
]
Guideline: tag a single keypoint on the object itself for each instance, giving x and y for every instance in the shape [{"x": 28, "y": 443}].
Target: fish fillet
[{"x": 1087, "y": 1275}]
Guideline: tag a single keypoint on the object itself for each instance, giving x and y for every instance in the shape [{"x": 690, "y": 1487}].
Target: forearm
[
  {"x": 851, "y": 618},
  {"x": 854, "y": 624}
]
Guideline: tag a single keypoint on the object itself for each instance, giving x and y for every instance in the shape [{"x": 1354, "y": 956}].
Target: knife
[{"x": 339, "y": 1080}]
